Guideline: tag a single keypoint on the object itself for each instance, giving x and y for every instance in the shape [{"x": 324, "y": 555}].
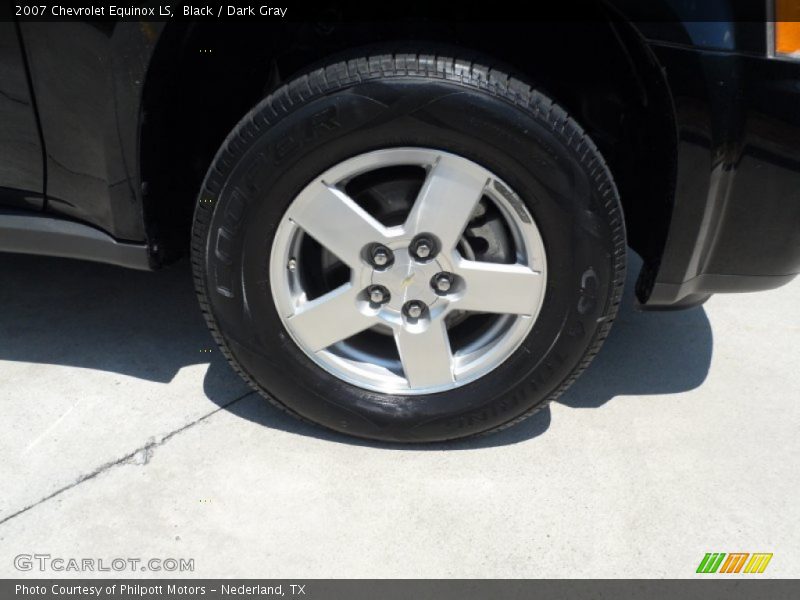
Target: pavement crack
[{"x": 140, "y": 456}]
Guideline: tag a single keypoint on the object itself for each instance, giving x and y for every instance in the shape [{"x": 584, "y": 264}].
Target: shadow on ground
[{"x": 147, "y": 325}]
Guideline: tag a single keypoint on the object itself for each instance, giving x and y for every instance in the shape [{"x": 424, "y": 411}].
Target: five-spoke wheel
[{"x": 410, "y": 279}]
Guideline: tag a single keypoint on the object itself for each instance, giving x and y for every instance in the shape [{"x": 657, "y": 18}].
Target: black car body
[{"x": 101, "y": 154}]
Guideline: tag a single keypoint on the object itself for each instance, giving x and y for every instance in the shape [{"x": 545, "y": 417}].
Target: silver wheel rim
[{"x": 416, "y": 356}]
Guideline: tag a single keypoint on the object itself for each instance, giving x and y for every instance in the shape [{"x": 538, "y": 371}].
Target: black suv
[{"x": 412, "y": 229}]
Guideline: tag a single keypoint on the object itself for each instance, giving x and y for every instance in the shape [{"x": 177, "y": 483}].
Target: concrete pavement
[{"x": 122, "y": 436}]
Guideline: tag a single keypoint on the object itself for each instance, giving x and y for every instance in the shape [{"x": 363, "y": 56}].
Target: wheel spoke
[
  {"x": 499, "y": 288},
  {"x": 446, "y": 201},
  {"x": 330, "y": 318},
  {"x": 426, "y": 356},
  {"x": 333, "y": 219}
]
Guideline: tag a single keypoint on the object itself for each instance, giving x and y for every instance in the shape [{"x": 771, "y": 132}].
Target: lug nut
[
  {"x": 378, "y": 294},
  {"x": 380, "y": 256},
  {"x": 414, "y": 309},
  {"x": 442, "y": 282},
  {"x": 422, "y": 248}
]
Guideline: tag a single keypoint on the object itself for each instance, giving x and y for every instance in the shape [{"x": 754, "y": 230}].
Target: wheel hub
[{"x": 407, "y": 279}]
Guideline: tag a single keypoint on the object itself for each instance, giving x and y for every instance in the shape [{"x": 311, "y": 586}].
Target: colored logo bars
[{"x": 713, "y": 562}]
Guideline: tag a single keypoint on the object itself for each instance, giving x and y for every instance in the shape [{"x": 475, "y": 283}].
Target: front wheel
[{"x": 409, "y": 248}]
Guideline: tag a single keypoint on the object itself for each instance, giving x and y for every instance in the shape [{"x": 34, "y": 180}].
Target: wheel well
[{"x": 204, "y": 78}]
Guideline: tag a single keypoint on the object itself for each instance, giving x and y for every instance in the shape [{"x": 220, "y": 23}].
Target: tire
[{"x": 464, "y": 112}]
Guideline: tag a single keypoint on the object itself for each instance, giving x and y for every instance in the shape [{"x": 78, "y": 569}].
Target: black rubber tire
[{"x": 347, "y": 108}]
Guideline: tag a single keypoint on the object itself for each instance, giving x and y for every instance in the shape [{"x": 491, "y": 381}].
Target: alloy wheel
[{"x": 416, "y": 304}]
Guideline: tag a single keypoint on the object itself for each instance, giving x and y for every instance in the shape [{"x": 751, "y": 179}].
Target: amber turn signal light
[{"x": 787, "y": 27}]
